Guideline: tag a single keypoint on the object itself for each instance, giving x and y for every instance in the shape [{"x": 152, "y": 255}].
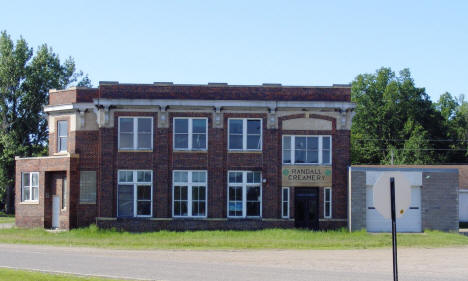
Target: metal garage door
[
  {"x": 463, "y": 205},
  {"x": 409, "y": 222}
]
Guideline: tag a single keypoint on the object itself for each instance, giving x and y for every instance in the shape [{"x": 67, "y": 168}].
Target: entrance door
[
  {"x": 55, "y": 211},
  {"x": 306, "y": 208}
]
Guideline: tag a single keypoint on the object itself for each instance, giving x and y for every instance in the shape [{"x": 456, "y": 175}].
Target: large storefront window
[
  {"x": 307, "y": 150},
  {"x": 244, "y": 194},
  {"x": 189, "y": 193},
  {"x": 135, "y": 193}
]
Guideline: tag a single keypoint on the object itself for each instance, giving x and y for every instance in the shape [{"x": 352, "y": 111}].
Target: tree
[
  {"x": 392, "y": 114},
  {"x": 25, "y": 78}
]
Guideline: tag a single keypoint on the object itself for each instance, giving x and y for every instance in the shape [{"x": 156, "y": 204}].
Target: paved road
[{"x": 272, "y": 265}]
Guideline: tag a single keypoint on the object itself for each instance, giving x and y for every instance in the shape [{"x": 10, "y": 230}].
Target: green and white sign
[{"x": 302, "y": 175}]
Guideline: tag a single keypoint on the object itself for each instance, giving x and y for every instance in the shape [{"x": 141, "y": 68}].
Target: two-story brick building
[{"x": 164, "y": 156}]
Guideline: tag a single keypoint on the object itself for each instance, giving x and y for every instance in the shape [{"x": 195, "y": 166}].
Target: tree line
[{"x": 394, "y": 122}]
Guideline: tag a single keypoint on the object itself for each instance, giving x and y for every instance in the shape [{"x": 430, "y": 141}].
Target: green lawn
[
  {"x": 21, "y": 275},
  {"x": 262, "y": 239},
  {"x": 4, "y": 218}
]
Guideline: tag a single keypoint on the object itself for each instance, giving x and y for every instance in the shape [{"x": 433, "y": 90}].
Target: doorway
[{"x": 306, "y": 208}]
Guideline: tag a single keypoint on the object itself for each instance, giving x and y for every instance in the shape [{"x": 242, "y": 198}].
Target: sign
[
  {"x": 382, "y": 194},
  {"x": 301, "y": 175}
]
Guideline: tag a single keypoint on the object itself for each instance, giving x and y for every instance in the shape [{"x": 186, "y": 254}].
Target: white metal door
[
  {"x": 409, "y": 222},
  {"x": 463, "y": 205},
  {"x": 55, "y": 211}
]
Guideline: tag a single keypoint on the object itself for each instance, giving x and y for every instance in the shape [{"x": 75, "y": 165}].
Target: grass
[
  {"x": 231, "y": 240},
  {"x": 21, "y": 275},
  {"x": 5, "y": 218}
]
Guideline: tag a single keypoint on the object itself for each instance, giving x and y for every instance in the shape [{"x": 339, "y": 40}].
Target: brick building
[{"x": 164, "y": 156}]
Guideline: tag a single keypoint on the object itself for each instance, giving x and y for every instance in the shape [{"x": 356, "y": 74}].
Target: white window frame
[
  {"x": 59, "y": 143},
  {"x": 135, "y": 184},
  {"x": 244, "y": 134},
  {"x": 135, "y": 133},
  {"x": 325, "y": 201},
  {"x": 293, "y": 149},
  {"x": 30, "y": 187},
  {"x": 84, "y": 173},
  {"x": 244, "y": 186},
  {"x": 189, "y": 185},
  {"x": 283, "y": 215},
  {"x": 190, "y": 134}
]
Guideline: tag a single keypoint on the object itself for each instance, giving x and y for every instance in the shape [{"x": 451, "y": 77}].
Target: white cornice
[{"x": 69, "y": 107}]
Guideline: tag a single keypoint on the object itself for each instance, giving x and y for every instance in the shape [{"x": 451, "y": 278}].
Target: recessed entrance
[{"x": 306, "y": 208}]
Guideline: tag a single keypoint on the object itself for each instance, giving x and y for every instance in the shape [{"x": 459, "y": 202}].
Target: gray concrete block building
[{"x": 433, "y": 204}]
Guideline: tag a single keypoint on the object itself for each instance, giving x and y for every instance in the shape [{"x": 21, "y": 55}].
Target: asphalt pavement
[{"x": 174, "y": 265}]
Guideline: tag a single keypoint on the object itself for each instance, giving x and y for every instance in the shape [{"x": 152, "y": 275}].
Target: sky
[{"x": 312, "y": 43}]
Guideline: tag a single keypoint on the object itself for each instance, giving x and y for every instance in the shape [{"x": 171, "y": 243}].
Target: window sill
[
  {"x": 87, "y": 203},
  {"x": 246, "y": 151},
  {"x": 134, "y": 150},
  {"x": 189, "y": 151},
  {"x": 29, "y": 203},
  {"x": 61, "y": 153},
  {"x": 188, "y": 218}
]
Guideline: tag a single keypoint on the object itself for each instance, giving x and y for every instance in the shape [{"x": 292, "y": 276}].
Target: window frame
[
  {"x": 190, "y": 184},
  {"x": 285, "y": 216},
  {"x": 244, "y": 186},
  {"x": 135, "y": 134},
  {"x": 190, "y": 134},
  {"x": 31, "y": 186},
  {"x": 325, "y": 203},
  {"x": 59, "y": 137},
  {"x": 244, "y": 134},
  {"x": 293, "y": 150},
  {"x": 135, "y": 184},
  {"x": 64, "y": 193},
  {"x": 83, "y": 172}
]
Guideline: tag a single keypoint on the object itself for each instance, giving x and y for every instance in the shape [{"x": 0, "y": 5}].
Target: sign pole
[{"x": 394, "y": 237}]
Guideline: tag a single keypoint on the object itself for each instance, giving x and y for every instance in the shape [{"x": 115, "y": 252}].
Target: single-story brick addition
[{"x": 144, "y": 157}]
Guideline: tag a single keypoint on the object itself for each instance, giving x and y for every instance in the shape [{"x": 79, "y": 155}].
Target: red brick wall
[{"x": 72, "y": 96}]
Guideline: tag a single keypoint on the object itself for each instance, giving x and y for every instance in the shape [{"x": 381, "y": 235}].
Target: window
[
  {"x": 244, "y": 194},
  {"x": 62, "y": 136},
  {"x": 87, "y": 187},
  {"x": 190, "y": 133},
  {"x": 64, "y": 193},
  {"x": 30, "y": 187},
  {"x": 135, "y": 193},
  {"x": 285, "y": 202},
  {"x": 327, "y": 203},
  {"x": 189, "y": 194},
  {"x": 307, "y": 150},
  {"x": 245, "y": 134},
  {"x": 136, "y": 133}
]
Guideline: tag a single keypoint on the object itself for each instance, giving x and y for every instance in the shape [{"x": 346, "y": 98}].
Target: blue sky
[{"x": 251, "y": 42}]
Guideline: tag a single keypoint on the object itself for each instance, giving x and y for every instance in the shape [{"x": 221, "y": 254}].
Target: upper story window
[
  {"x": 136, "y": 133},
  {"x": 30, "y": 187},
  {"x": 190, "y": 133},
  {"x": 245, "y": 134},
  {"x": 62, "y": 136},
  {"x": 244, "y": 194},
  {"x": 307, "y": 150}
]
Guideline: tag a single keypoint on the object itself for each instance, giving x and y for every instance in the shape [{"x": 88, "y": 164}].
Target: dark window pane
[
  {"x": 126, "y": 125},
  {"x": 327, "y": 209},
  {"x": 26, "y": 179},
  {"x": 235, "y": 126},
  {"x": 177, "y": 192},
  {"x": 201, "y": 208},
  {"x": 198, "y": 141},
  {"x": 326, "y": 156},
  {"x": 253, "y": 193},
  {"x": 144, "y": 192},
  {"x": 285, "y": 195},
  {"x": 126, "y": 140},
  {"x": 144, "y": 141},
  {"x": 287, "y": 142},
  {"x": 195, "y": 209},
  {"x": 202, "y": 193},
  {"x": 183, "y": 208},
  {"x": 177, "y": 208},
  {"x": 286, "y": 156},
  {"x": 181, "y": 126},
  {"x": 300, "y": 143},
  {"x": 144, "y": 208},
  {"x": 327, "y": 194},
  {"x": 199, "y": 126},
  {"x": 125, "y": 203},
  {"x": 250, "y": 177},
  {"x": 183, "y": 193},
  {"x": 181, "y": 141},
  {"x": 312, "y": 143},
  {"x": 144, "y": 125},
  {"x": 285, "y": 209},
  {"x": 253, "y": 127},
  {"x": 312, "y": 156},
  {"x": 235, "y": 141},
  {"x": 238, "y": 193},
  {"x": 194, "y": 193},
  {"x": 257, "y": 176},
  {"x": 253, "y": 209},
  {"x": 326, "y": 143},
  {"x": 253, "y": 142},
  {"x": 300, "y": 156}
]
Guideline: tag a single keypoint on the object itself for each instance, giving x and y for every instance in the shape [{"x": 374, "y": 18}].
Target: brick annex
[{"x": 144, "y": 157}]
